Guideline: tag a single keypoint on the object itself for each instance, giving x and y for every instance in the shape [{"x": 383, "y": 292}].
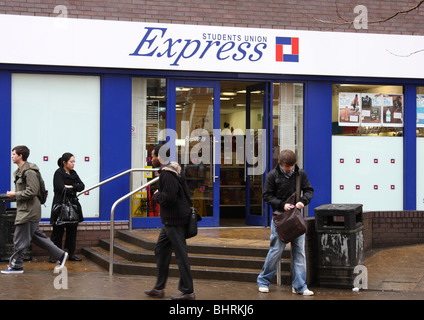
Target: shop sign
[{"x": 139, "y": 45}]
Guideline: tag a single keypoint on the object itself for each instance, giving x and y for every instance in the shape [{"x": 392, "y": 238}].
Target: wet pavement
[{"x": 393, "y": 274}]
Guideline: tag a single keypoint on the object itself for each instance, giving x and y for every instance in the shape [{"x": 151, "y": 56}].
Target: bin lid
[
  {"x": 5, "y": 198},
  {"x": 345, "y": 207}
]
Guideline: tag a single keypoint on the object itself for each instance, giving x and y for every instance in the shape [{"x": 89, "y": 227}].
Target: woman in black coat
[{"x": 66, "y": 178}]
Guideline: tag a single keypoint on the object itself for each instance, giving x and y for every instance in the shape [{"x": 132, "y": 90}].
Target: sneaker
[
  {"x": 62, "y": 262},
  {"x": 11, "y": 270},
  {"x": 307, "y": 292},
  {"x": 263, "y": 289}
]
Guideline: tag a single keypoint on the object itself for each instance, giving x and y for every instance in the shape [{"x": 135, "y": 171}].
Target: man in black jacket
[
  {"x": 172, "y": 196},
  {"x": 280, "y": 184}
]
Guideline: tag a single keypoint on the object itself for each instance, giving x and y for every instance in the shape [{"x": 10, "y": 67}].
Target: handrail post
[
  {"x": 112, "y": 220},
  {"x": 131, "y": 208},
  {"x": 112, "y": 236}
]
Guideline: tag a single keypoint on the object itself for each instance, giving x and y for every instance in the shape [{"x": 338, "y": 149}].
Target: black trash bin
[
  {"x": 340, "y": 243},
  {"x": 7, "y": 228}
]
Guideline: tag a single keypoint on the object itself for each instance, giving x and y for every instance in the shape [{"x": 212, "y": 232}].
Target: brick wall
[
  {"x": 272, "y": 14},
  {"x": 396, "y": 228}
]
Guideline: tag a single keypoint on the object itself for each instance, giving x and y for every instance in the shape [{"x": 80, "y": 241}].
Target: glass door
[
  {"x": 257, "y": 116},
  {"x": 196, "y": 106}
]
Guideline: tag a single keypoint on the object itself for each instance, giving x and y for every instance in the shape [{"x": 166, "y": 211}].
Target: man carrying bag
[{"x": 280, "y": 185}]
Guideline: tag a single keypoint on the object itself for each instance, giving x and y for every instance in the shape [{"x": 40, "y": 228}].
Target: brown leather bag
[{"x": 290, "y": 224}]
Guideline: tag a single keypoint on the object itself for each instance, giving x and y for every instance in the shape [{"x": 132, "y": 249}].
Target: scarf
[{"x": 285, "y": 173}]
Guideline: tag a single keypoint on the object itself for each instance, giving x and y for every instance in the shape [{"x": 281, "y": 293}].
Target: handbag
[
  {"x": 290, "y": 224},
  {"x": 65, "y": 211},
  {"x": 191, "y": 226}
]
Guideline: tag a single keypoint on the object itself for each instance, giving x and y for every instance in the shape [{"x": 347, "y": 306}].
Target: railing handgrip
[{"x": 115, "y": 177}]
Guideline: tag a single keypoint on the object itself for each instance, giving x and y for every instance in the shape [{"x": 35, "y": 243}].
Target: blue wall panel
[
  {"x": 115, "y": 143},
  {"x": 5, "y": 129},
  {"x": 317, "y": 141},
  {"x": 410, "y": 148}
]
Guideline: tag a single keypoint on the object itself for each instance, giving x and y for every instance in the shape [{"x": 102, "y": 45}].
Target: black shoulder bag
[
  {"x": 191, "y": 226},
  {"x": 65, "y": 211}
]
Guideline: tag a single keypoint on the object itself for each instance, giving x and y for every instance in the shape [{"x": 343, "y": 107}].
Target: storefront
[{"x": 226, "y": 100}]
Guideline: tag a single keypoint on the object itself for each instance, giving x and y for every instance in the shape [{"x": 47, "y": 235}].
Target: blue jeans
[{"x": 273, "y": 258}]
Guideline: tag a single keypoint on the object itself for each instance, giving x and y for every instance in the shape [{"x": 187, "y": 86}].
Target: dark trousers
[
  {"x": 70, "y": 240},
  {"x": 172, "y": 239}
]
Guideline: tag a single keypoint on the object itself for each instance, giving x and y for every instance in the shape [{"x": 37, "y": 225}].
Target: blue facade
[{"x": 115, "y": 149}]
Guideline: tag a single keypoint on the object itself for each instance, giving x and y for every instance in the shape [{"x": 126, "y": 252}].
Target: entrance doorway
[
  {"x": 222, "y": 147},
  {"x": 243, "y": 117},
  {"x": 225, "y": 134}
]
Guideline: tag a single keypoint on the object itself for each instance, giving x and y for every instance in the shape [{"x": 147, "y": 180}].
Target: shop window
[
  {"x": 148, "y": 119},
  {"x": 367, "y": 146},
  {"x": 53, "y": 114},
  {"x": 420, "y": 148},
  {"x": 287, "y": 124}
]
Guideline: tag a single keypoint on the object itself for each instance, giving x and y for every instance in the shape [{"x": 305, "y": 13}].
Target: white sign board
[{"x": 61, "y": 41}]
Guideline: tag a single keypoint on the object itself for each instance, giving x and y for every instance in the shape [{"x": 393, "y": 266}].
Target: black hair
[
  {"x": 166, "y": 150},
  {"x": 64, "y": 158}
]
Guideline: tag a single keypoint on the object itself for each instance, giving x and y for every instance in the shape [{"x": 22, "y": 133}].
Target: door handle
[{"x": 214, "y": 176}]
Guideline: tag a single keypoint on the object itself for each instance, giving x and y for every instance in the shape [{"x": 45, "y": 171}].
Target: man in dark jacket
[
  {"x": 173, "y": 197},
  {"x": 280, "y": 184}
]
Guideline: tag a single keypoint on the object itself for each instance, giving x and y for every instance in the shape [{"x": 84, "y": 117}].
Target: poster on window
[
  {"x": 372, "y": 104},
  {"x": 392, "y": 110},
  {"x": 420, "y": 110},
  {"x": 349, "y": 108},
  {"x": 371, "y": 109}
]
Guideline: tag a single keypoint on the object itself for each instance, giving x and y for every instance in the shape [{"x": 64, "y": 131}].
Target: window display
[
  {"x": 148, "y": 119},
  {"x": 368, "y": 110}
]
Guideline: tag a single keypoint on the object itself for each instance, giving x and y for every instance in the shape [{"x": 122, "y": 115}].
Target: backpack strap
[{"x": 298, "y": 187}]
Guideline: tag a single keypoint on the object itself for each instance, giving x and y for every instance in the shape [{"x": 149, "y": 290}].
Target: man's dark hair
[
  {"x": 287, "y": 157},
  {"x": 165, "y": 151},
  {"x": 22, "y": 150}
]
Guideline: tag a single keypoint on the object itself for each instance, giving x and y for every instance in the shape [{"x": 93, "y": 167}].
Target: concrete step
[
  {"x": 134, "y": 255},
  {"x": 137, "y": 239}
]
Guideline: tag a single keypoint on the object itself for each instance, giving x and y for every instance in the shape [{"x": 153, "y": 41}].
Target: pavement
[{"x": 394, "y": 275}]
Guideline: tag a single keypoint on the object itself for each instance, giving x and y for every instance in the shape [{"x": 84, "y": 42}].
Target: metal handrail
[
  {"x": 112, "y": 218},
  {"x": 115, "y": 177},
  {"x": 112, "y": 213}
]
